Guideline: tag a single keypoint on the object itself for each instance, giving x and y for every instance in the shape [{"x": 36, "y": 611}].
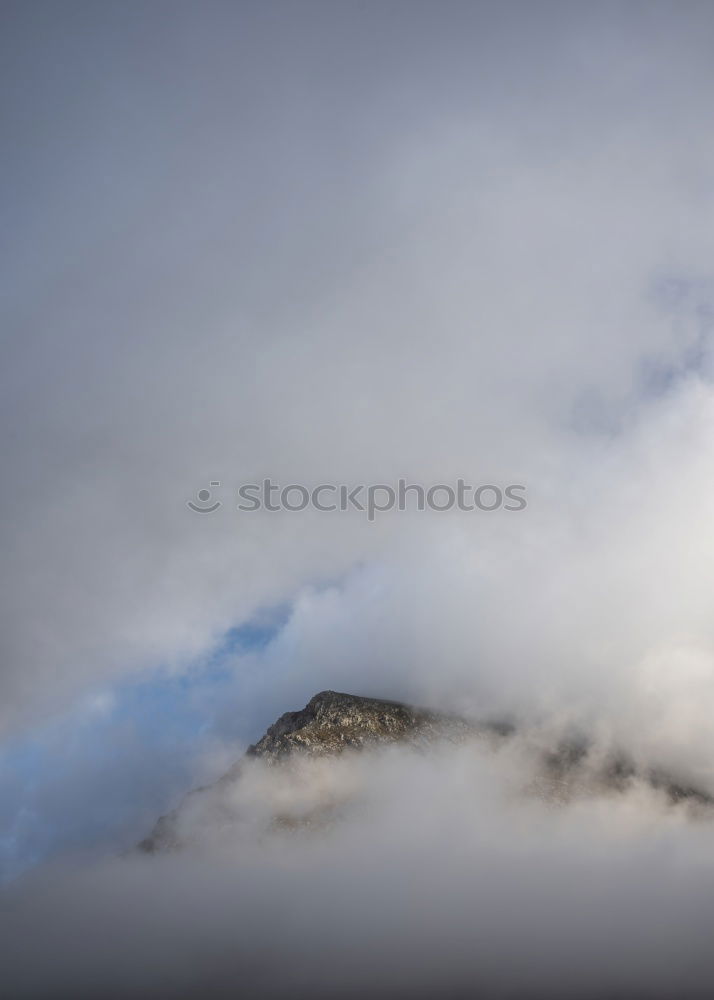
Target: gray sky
[
  {"x": 325, "y": 242},
  {"x": 347, "y": 242}
]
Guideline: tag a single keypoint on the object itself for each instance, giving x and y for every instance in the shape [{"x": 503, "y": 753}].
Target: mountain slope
[
  {"x": 330, "y": 724},
  {"x": 333, "y": 724}
]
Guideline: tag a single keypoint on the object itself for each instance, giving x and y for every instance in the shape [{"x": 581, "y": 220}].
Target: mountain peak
[{"x": 333, "y": 721}]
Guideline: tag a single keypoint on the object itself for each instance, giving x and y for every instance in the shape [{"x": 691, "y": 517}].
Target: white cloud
[
  {"x": 433, "y": 874},
  {"x": 407, "y": 244}
]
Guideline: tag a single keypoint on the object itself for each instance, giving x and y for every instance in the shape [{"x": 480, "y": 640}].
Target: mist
[
  {"x": 417, "y": 873},
  {"x": 351, "y": 243}
]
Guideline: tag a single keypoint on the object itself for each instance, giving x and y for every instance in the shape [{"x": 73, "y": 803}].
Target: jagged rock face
[{"x": 332, "y": 722}]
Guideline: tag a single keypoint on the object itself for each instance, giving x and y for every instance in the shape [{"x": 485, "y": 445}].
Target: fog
[
  {"x": 418, "y": 874},
  {"x": 346, "y": 243}
]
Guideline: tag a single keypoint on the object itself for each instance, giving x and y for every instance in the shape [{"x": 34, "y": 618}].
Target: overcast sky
[{"x": 347, "y": 242}]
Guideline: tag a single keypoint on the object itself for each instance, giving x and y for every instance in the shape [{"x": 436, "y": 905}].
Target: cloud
[
  {"x": 248, "y": 259},
  {"x": 431, "y": 873},
  {"x": 352, "y": 245}
]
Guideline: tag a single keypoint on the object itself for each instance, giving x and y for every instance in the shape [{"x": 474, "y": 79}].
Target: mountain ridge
[{"x": 334, "y": 723}]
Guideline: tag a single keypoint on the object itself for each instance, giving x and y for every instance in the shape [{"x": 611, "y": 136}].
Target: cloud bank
[
  {"x": 347, "y": 246},
  {"x": 353, "y": 243},
  {"x": 421, "y": 874}
]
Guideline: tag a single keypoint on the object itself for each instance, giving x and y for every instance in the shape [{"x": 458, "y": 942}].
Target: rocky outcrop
[{"x": 333, "y": 723}]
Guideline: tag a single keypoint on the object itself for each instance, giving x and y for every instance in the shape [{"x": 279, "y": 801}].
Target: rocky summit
[{"x": 333, "y": 723}]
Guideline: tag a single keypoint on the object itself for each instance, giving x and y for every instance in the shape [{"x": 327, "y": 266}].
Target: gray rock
[{"x": 332, "y": 722}]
